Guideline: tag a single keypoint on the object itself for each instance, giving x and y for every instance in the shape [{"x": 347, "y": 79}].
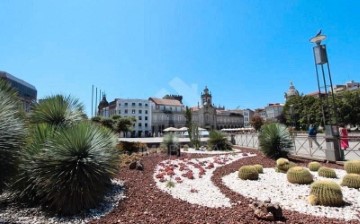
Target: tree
[
  {"x": 257, "y": 122},
  {"x": 124, "y": 124},
  {"x": 189, "y": 124}
]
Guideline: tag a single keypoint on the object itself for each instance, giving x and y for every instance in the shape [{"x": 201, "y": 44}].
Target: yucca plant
[
  {"x": 58, "y": 110},
  {"x": 24, "y": 187},
  {"x": 274, "y": 140},
  {"x": 218, "y": 141},
  {"x": 74, "y": 170},
  {"x": 12, "y": 133}
]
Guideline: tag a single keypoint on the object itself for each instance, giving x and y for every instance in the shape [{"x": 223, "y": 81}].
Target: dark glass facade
[{"x": 26, "y": 91}]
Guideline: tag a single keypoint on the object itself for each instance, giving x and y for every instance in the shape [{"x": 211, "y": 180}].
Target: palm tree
[{"x": 12, "y": 133}]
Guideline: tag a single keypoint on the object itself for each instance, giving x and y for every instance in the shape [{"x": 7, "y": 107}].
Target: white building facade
[{"x": 140, "y": 109}]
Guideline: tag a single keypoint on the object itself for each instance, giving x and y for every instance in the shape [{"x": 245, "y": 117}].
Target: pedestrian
[
  {"x": 344, "y": 140},
  {"x": 312, "y": 136}
]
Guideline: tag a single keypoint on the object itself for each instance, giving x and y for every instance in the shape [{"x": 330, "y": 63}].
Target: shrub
[
  {"x": 327, "y": 172},
  {"x": 248, "y": 173},
  {"x": 12, "y": 133},
  {"x": 170, "y": 184},
  {"x": 259, "y": 168},
  {"x": 314, "y": 166},
  {"x": 170, "y": 141},
  {"x": 131, "y": 147},
  {"x": 351, "y": 180},
  {"x": 327, "y": 193},
  {"x": 352, "y": 166},
  {"x": 299, "y": 175},
  {"x": 73, "y": 170},
  {"x": 274, "y": 140},
  {"x": 218, "y": 141}
]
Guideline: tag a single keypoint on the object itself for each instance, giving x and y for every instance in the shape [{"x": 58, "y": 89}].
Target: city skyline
[{"x": 246, "y": 52}]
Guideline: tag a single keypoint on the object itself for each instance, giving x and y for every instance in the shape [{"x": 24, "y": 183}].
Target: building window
[
  {"x": 140, "y": 104},
  {"x": 146, "y": 104},
  {"x": 146, "y": 112},
  {"x": 119, "y": 111},
  {"x": 139, "y": 124},
  {"x": 133, "y": 111},
  {"x": 140, "y": 118},
  {"x": 126, "y": 104},
  {"x": 146, "y": 118},
  {"x": 133, "y": 104},
  {"x": 126, "y": 111},
  {"x": 146, "y": 124},
  {"x": 140, "y": 111}
]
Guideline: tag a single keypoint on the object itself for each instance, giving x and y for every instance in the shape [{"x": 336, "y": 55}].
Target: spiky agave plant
[
  {"x": 75, "y": 169},
  {"x": 274, "y": 140},
  {"x": 24, "y": 186},
  {"x": 12, "y": 133},
  {"x": 218, "y": 141},
  {"x": 58, "y": 110}
]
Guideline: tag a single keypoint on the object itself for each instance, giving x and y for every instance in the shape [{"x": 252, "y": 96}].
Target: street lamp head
[{"x": 318, "y": 38}]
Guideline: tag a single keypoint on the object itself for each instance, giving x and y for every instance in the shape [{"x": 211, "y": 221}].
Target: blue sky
[{"x": 246, "y": 52}]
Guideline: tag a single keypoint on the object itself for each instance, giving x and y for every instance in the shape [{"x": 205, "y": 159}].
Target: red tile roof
[{"x": 168, "y": 102}]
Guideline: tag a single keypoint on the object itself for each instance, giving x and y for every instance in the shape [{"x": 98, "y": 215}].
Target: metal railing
[{"x": 301, "y": 145}]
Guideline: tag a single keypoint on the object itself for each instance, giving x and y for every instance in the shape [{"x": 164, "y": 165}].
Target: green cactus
[
  {"x": 314, "y": 166},
  {"x": 282, "y": 165},
  {"x": 248, "y": 173},
  {"x": 281, "y": 161},
  {"x": 327, "y": 172},
  {"x": 326, "y": 193},
  {"x": 352, "y": 166},
  {"x": 259, "y": 168},
  {"x": 299, "y": 175},
  {"x": 351, "y": 180}
]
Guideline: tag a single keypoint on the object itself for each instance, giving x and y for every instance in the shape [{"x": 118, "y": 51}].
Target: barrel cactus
[
  {"x": 299, "y": 175},
  {"x": 282, "y": 165},
  {"x": 326, "y": 193},
  {"x": 351, "y": 180},
  {"x": 259, "y": 168},
  {"x": 281, "y": 161},
  {"x": 248, "y": 173},
  {"x": 327, "y": 172},
  {"x": 314, "y": 166},
  {"x": 352, "y": 166}
]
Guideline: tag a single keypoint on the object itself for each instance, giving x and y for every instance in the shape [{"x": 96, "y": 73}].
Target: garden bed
[{"x": 146, "y": 201}]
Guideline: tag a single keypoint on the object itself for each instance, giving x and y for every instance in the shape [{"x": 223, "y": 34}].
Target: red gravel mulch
[{"x": 145, "y": 203}]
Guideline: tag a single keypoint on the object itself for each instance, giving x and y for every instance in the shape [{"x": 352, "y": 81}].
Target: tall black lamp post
[{"x": 332, "y": 152}]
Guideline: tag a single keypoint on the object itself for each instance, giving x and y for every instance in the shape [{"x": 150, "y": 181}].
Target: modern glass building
[{"x": 26, "y": 91}]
